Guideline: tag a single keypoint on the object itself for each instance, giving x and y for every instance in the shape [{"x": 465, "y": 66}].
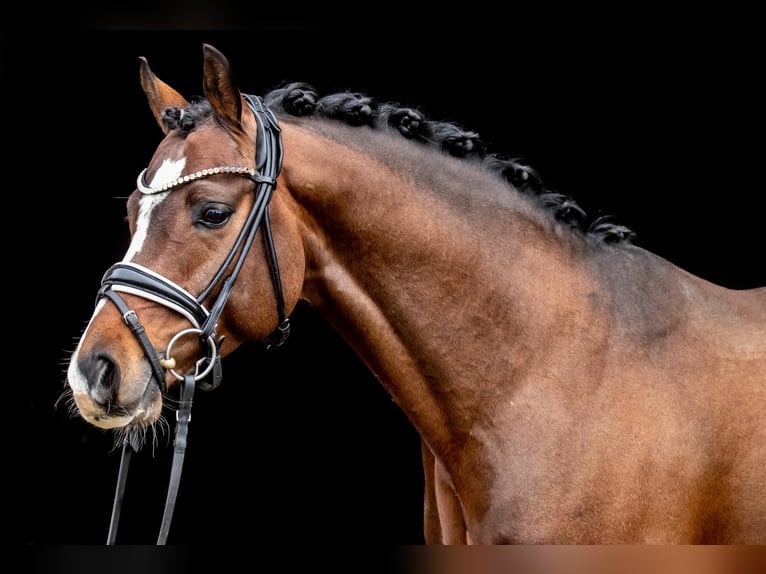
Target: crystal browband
[{"x": 145, "y": 189}]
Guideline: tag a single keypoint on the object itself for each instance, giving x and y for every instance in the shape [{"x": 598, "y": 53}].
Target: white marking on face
[
  {"x": 168, "y": 171},
  {"x": 77, "y": 380}
]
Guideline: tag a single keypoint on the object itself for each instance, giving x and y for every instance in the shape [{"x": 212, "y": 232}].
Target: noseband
[{"x": 134, "y": 279}]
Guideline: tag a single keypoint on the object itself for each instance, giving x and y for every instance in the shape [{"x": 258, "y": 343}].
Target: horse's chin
[{"x": 141, "y": 415}]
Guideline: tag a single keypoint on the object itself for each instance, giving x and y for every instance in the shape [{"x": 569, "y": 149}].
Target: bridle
[{"x": 134, "y": 279}]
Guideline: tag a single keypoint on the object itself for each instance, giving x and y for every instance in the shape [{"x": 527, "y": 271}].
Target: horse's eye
[{"x": 215, "y": 216}]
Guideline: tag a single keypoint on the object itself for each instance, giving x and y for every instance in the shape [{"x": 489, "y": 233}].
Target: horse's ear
[
  {"x": 160, "y": 95},
  {"x": 220, "y": 89}
]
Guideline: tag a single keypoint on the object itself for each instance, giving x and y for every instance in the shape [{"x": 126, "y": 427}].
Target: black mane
[{"x": 301, "y": 99}]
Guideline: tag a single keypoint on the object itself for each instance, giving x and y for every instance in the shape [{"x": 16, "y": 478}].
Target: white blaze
[
  {"x": 168, "y": 171},
  {"x": 75, "y": 377}
]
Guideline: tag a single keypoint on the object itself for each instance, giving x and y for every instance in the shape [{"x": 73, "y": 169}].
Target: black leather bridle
[{"x": 131, "y": 278}]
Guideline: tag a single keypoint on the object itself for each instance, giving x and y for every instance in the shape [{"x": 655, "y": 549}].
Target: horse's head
[{"x": 201, "y": 265}]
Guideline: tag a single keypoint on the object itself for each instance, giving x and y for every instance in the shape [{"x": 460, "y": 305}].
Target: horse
[{"x": 567, "y": 385}]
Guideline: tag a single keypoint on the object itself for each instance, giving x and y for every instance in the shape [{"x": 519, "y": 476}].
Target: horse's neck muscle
[{"x": 417, "y": 284}]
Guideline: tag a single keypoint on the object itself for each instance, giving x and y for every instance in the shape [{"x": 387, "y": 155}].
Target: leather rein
[{"x": 134, "y": 279}]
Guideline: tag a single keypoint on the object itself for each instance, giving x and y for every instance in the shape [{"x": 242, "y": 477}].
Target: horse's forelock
[{"x": 188, "y": 118}]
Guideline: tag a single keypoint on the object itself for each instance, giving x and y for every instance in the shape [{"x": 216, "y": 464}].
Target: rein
[{"x": 134, "y": 279}]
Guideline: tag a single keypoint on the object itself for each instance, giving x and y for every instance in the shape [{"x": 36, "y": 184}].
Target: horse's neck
[{"x": 442, "y": 296}]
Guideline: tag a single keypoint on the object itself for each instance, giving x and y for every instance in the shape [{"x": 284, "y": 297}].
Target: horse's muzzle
[{"x": 107, "y": 397}]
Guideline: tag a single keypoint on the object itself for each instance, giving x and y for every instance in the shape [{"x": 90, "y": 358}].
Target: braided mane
[{"x": 355, "y": 109}]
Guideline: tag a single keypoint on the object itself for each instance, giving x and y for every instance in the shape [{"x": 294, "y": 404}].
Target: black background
[{"x": 657, "y": 121}]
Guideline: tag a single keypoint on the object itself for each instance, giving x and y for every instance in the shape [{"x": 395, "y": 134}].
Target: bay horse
[{"x": 568, "y": 386}]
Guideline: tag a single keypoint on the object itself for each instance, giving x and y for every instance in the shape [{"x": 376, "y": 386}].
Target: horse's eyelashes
[{"x": 212, "y": 215}]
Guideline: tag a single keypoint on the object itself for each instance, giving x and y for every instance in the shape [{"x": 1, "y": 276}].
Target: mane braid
[{"x": 301, "y": 99}]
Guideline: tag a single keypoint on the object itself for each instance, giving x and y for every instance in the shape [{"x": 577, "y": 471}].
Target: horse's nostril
[{"x": 103, "y": 380}]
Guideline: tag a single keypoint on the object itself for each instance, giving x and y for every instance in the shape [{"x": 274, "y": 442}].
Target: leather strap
[
  {"x": 179, "y": 450},
  {"x": 183, "y": 415},
  {"x": 146, "y": 282},
  {"x": 119, "y": 492},
  {"x": 131, "y": 320}
]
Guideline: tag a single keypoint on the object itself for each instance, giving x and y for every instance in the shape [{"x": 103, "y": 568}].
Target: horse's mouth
[{"x": 141, "y": 414}]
